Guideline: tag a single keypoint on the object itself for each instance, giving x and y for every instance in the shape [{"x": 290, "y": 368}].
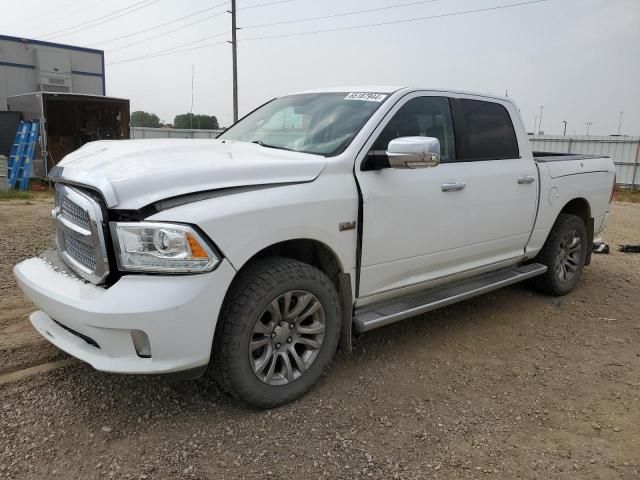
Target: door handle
[
  {"x": 453, "y": 187},
  {"x": 526, "y": 179}
]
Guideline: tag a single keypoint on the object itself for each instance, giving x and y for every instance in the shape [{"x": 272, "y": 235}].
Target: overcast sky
[{"x": 580, "y": 59}]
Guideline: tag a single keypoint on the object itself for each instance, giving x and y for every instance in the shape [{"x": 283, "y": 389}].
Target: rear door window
[{"x": 488, "y": 131}]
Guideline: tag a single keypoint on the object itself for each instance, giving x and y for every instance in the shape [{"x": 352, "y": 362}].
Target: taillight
[{"x": 613, "y": 189}]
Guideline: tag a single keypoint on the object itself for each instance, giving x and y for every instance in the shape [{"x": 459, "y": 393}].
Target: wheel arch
[
  {"x": 325, "y": 259},
  {"x": 307, "y": 250},
  {"x": 581, "y": 208}
]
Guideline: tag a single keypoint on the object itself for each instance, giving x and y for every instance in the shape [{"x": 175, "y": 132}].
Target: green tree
[
  {"x": 145, "y": 119},
  {"x": 198, "y": 122}
]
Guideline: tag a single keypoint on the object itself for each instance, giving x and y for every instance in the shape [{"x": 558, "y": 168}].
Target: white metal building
[{"x": 35, "y": 66}]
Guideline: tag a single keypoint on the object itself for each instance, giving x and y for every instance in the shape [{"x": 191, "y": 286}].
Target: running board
[{"x": 381, "y": 314}]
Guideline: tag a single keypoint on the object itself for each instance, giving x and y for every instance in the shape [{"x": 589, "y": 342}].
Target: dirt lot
[
  {"x": 26, "y": 229},
  {"x": 509, "y": 385}
]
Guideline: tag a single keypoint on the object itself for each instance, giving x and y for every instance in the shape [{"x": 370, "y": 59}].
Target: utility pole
[
  {"x": 588, "y": 124},
  {"x": 234, "y": 54},
  {"x": 565, "y": 128},
  {"x": 620, "y": 124},
  {"x": 540, "y": 125},
  {"x": 193, "y": 68}
]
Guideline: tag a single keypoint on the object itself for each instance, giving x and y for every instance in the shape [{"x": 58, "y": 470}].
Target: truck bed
[{"x": 563, "y": 164}]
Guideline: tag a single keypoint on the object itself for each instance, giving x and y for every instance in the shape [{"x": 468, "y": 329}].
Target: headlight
[{"x": 161, "y": 247}]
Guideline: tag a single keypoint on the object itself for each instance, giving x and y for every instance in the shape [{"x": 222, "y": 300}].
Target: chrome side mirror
[{"x": 414, "y": 152}]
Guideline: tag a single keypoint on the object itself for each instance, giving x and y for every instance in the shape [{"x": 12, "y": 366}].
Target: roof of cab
[
  {"x": 355, "y": 88},
  {"x": 389, "y": 89}
]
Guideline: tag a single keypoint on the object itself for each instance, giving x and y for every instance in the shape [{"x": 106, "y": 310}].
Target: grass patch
[
  {"x": 16, "y": 195},
  {"x": 626, "y": 195}
]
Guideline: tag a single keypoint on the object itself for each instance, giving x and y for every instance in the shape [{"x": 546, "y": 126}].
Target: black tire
[
  {"x": 554, "y": 254},
  {"x": 250, "y": 296}
]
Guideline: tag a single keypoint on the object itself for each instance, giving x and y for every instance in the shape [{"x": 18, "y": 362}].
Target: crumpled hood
[{"x": 134, "y": 173}]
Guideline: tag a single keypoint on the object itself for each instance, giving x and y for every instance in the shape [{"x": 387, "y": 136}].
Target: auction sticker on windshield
[{"x": 365, "y": 96}]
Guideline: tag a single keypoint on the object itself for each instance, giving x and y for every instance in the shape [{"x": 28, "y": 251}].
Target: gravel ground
[
  {"x": 509, "y": 385},
  {"x": 26, "y": 229}
]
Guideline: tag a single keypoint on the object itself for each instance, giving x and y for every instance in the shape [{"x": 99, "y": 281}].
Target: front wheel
[
  {"x": 279, "y": 331},
  {"x": 564, "y": 253}
]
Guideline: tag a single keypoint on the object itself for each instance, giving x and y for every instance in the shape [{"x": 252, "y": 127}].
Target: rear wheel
[
  {"x": 564, "y": 253},
  {"x": 278, "y": 333}
]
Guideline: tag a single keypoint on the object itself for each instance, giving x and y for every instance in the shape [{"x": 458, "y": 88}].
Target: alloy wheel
[
  {"x": 569, "y": 255},
  {"x": 287, "y": 337}
]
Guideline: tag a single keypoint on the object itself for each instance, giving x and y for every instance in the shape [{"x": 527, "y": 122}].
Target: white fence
[
  {"x": 146, "y": 132},
  {"x": 625, "y": 152}
]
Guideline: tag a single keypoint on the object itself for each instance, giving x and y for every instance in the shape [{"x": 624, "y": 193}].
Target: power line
[
  {"x": 355, "y": 12},
  {"x": 189, "y": 43},
  {"x": 156, "y": 53},
  {"x": 266, "y": 4},
  {"x": 93, "y": 20},
  {"x": 57, "y": 9},
  {"x": 184, "y": 26},
  {"x": 121, "y": 37},
  {"x": 167, "y": 32},
  {"x": 167, "y": 51},
  {"x": 393, "y": 22},
  {"x": 144, "y": 57},
  {"x": 100, "y": 20}
]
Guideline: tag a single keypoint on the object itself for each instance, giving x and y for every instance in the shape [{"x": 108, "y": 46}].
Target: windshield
[{"x": 319, "y": 123}]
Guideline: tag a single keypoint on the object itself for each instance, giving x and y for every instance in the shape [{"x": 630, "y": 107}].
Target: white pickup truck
[{"x": 322, "y": 213}]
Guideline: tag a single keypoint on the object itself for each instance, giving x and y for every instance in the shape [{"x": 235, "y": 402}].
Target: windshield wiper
[{"x": 266, "y": 145}]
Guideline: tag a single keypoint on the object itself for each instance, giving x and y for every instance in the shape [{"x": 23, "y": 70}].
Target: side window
[
  {"x": 488, "y": 131},
  {"x": 421, "y": 117}
]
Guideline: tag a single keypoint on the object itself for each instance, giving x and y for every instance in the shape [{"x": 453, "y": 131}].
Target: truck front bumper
[{"x": 102, "y": 326}]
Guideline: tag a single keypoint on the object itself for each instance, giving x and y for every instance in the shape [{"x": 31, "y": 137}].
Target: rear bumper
[{"x": 177, "y": 313}]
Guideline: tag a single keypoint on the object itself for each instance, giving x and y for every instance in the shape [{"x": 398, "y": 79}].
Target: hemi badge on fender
[{"x": 347, "y": 226}]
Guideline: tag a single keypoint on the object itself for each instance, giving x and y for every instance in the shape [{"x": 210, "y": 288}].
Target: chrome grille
[
  {"x": 75, "y": 213},
  {"x": 80, "y": 236},
  {"x": 79, "y": 250}
]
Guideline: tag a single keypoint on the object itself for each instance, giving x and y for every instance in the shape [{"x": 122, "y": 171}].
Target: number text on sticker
[{"x": 366, "y": 96}]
